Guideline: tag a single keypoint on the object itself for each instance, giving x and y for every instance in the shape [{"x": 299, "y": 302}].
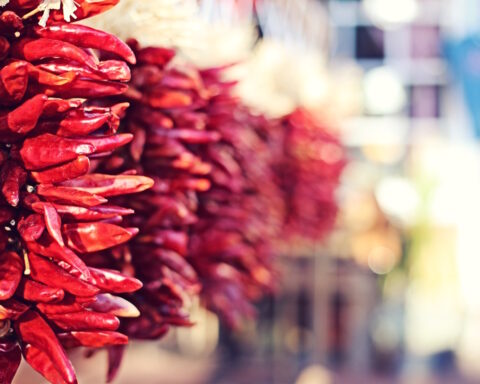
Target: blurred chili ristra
[
  {"x": 54, "y": 211},
  {"x": 167, "y": 122},
  {"x": 308, "y": 173},
  {"x": 242, "y": 212},
  {"x": 190, "y": 133}
]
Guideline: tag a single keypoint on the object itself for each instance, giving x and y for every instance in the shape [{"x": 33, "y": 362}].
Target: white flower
[{"x": 69, "y": 8}]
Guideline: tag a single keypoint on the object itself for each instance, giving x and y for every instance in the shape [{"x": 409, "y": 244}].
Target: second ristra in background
[
  {"x": 211, "y": 208},
  {"x": 204, "y": 225}
]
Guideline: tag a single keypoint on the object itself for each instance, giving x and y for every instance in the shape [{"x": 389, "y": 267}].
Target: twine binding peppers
[{"x": 54, "y": 210}]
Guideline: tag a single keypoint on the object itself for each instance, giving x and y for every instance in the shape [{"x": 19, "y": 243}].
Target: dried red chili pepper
[
  {"x": 92, "y": 339},
  {"x": 11, "y": 270},
  {"x": 37, "y": 292},
  {"x": 32, "y": 50},
  {"x": 51, "y": 130},
  {"x": 86, "y": 37},
  {"x": 33, "y": 330}
]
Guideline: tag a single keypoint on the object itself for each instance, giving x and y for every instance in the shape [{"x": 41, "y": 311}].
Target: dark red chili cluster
[
  {"x": 242, "y": 211},
  {"x": 168, "y": 123},
  {"x": 53, "y": 210},
  {"x": 190, "y": 133},
  {"x": 309, "y": 174}
]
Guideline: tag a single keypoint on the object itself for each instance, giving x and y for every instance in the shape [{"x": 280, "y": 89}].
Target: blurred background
[{"x": 393, "y": 294}]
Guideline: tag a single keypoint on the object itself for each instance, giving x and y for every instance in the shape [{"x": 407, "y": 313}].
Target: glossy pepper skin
[{"x": 54, "y": 209}]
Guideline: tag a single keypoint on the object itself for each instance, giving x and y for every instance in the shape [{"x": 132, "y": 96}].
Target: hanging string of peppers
[
  {"x": 230, "y": 244},
  {"x": 167, "y": 123},
  {"x": 308, "y": 172}
]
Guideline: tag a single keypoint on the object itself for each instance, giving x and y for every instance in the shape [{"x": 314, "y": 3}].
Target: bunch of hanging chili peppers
[
  {"x": 241, "y": 212},
  {"x": 167, "y": 124},
  {"x": 53, "y": 209},
  {"x": 309, "y": 174},
  {"x": 197, "y": 141}
]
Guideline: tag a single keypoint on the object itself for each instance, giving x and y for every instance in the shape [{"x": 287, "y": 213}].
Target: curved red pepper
[
  {"x": 86, "y": 37},
  {"x": 108, "y": 143},
  {"x": 11, "y": 270},
  {"x": 47, "y": 150},
  {"x": 48, "y": 248},
  {"x": 91, "y": 89},
  {"x": 98, "y": 339},
  {"x": 53, "y": 223},
  {"x": 35, "y": 331},
  {"x": 68, "y": 305},
  {"x": 25, "y": 117},
  {"x": 38, "y": 49},
  {"x": 94, "y": 237},
  {"x": 42, "y": 363},
  {"x": 40, "y": 293},
  {"x": 85, "y": 320},
  {"x": 114, "y": 282},
  {"x": 115, "y": 357},
  {"x": 101, "y": 212},
  {"x": 114, "y": 305},
  {"x": 107, "y": 185},
  {"x": 75, "y": 168},
  {"x": 52, "y": 275},
  {"x": 69, "y": 196}
]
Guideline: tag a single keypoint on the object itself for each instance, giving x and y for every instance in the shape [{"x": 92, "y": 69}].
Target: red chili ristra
[
  {"x": 190, "y": 133},
  {"x": 53, "y": 209},
  {"x": 230, "y": 246},
  {"x": 309, "y": 171},
  {"x": 161, "y": 148}
]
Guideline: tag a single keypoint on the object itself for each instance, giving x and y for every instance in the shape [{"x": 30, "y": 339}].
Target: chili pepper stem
[
  {"x": 4, "y": 327},
  {"x": 32, "y": 13},
  {"x": 27, "y": 264}
]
